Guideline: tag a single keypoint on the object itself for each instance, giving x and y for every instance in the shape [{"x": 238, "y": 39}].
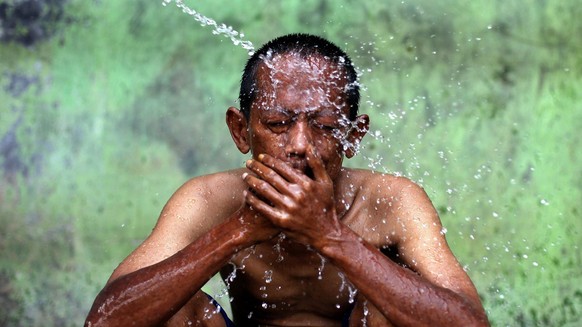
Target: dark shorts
[{"x": 229, "y": 323}]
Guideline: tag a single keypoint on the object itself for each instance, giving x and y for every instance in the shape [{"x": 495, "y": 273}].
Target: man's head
[
  {"x": 299, "y": 92},
  {"x": 304, "y": 45}
]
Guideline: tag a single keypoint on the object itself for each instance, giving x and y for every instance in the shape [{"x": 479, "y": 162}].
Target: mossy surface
[{"x": 119, "y": 103}]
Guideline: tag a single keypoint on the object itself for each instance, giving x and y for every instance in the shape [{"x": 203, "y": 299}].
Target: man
[{"x": 299, "y": 239}]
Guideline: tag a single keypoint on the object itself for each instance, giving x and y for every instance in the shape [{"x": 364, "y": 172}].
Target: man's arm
[
  {"x": 162, "y": 275},
  {"x": 435, "y": 291}
]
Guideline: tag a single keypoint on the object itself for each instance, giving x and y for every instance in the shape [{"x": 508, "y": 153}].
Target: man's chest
[{"x": 282, "y": 277}]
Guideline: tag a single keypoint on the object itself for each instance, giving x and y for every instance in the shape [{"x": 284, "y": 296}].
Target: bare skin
[{"x": 294, "y": 233}]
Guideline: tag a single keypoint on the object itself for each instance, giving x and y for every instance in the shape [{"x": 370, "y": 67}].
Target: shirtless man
[{"x": 299, "y": 239}]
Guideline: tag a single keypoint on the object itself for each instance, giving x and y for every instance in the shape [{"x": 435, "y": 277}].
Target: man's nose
[{"x": 299, "y": 140}]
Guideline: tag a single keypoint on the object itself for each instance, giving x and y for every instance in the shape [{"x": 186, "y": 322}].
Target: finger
[
  {"x": 263, "y": 189},
  {"x": 314, "y": 161},
  {"x": 272, "y": 214},
  {"x": 268, "y": 174},
  {"x": 283, "y": 169}
]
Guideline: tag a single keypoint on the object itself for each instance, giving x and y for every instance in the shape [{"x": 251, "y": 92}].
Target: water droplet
[
  {"x": 321, "y": 267},
  {"x": 268, "y": 276}
]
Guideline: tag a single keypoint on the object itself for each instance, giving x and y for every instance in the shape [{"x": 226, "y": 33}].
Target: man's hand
[
  {"x": 260, "y": 229},
  {"x": 304, "y": 208}
]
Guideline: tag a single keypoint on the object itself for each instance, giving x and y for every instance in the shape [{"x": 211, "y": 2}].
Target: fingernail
[
  {"x": 248, "y": 162},
  {"x": 261, "y": 156},
  {"x": 244, "y": 175}
]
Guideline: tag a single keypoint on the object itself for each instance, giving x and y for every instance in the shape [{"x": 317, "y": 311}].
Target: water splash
[
  {"x": 321, "y": 266},
  {"x": 352, "y": 291},
  {"x": 278, "y": 249},
  {"x": 366, "y": 312},
  {"x": 236, "y": 37},
  {"x": 231, "y": 277},
  {"x": 209, "y": 313},
  {"x": 268, "y": 276}
]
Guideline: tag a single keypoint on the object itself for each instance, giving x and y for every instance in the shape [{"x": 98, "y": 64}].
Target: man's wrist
[
  {"x": 335, "y": 241},
  {"x": 244, "y": 232}
]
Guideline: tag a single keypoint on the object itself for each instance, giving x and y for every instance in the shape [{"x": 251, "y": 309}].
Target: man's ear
[
  {"x": 360, "y": 128},
  {"x": 238, "y": 126}
]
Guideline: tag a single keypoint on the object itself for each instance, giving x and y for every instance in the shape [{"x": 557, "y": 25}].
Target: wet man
[{"x": 299, "y": 239}]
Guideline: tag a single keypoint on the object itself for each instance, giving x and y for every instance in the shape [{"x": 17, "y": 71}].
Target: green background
[{"x": 120, "y": 102}]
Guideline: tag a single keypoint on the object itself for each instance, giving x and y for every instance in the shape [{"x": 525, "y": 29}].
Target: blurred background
[{"x": 106, "y": 107}]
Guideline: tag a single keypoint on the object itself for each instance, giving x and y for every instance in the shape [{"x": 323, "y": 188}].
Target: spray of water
[{"x": 218, "y": 29}]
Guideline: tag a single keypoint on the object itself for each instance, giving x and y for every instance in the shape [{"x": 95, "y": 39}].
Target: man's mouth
[
  {"x": 309, "y": 172},
  {"x": 304, "y": 168}
]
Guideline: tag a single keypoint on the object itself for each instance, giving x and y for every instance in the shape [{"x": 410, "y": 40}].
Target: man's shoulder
[
  {"x": 394, "y": 194},
  {"x": 219, "y": 182},
  {"x": 379, "y": 183},
  {"x": 385, "y": 194},
  {"x": 385, "y": 202},
  {"x": 213, "y": 192}
]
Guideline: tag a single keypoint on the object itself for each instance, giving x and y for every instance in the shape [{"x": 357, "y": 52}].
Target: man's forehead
[
  {"x": 289, "y": 84},
  {"x": 294, "y": 68},
  {"x": 289, "y": 101},
  {"x": 333, "y": 111}
]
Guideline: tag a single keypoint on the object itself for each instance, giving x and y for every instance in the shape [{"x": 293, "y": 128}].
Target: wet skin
[
  {"x": 296, "y": 138},
  {"x": 295, "y": 201}
]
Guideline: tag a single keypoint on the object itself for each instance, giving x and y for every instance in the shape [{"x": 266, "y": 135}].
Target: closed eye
[
  {"x": 278, "y": 126},
  {"x": 327, "y": 127},
  {"x": 325, "y": 123},
  {"x": 277, "y": 123}
]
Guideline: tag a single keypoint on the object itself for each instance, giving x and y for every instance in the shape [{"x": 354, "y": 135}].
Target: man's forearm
[
  {"x": 404, "y": 297},
  {"x": 153, "y": 294}
]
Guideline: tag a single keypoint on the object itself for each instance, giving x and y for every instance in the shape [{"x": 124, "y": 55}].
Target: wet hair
[{"x": 304, "y": 45}]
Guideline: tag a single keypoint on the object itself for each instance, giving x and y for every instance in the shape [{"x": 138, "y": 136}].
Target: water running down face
[{"x": 301, "y": 103}]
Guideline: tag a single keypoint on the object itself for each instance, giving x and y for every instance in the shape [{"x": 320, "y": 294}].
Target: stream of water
[{"x": 236, "y": 37}]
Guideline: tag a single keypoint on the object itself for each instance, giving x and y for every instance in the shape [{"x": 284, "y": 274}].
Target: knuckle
[
  {"x": 289, "y": 203},
  {"x": 271, "y": 174},
  {"x": 292, "y": 206},
  {"x": 263, "y": 187},
  {"x": 285, "y": 217},
  {"x": 299, "y": 197},
  {"x": 307, "y": 186}
]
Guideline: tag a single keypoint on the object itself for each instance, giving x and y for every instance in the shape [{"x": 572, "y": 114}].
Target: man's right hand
[{"x": 258, "y": 227}]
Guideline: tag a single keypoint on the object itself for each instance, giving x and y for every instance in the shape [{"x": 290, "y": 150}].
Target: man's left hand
[{"x": 304, "y": 208}]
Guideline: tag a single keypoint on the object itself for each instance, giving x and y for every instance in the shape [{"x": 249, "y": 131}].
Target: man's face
[{"x": 300, "y": 103}]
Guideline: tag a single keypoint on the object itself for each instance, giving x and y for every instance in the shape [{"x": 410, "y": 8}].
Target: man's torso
[{"x": 287, "y": 283}]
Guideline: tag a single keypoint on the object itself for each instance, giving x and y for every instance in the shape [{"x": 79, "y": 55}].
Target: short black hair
[{"x": 304, "y": 45}]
